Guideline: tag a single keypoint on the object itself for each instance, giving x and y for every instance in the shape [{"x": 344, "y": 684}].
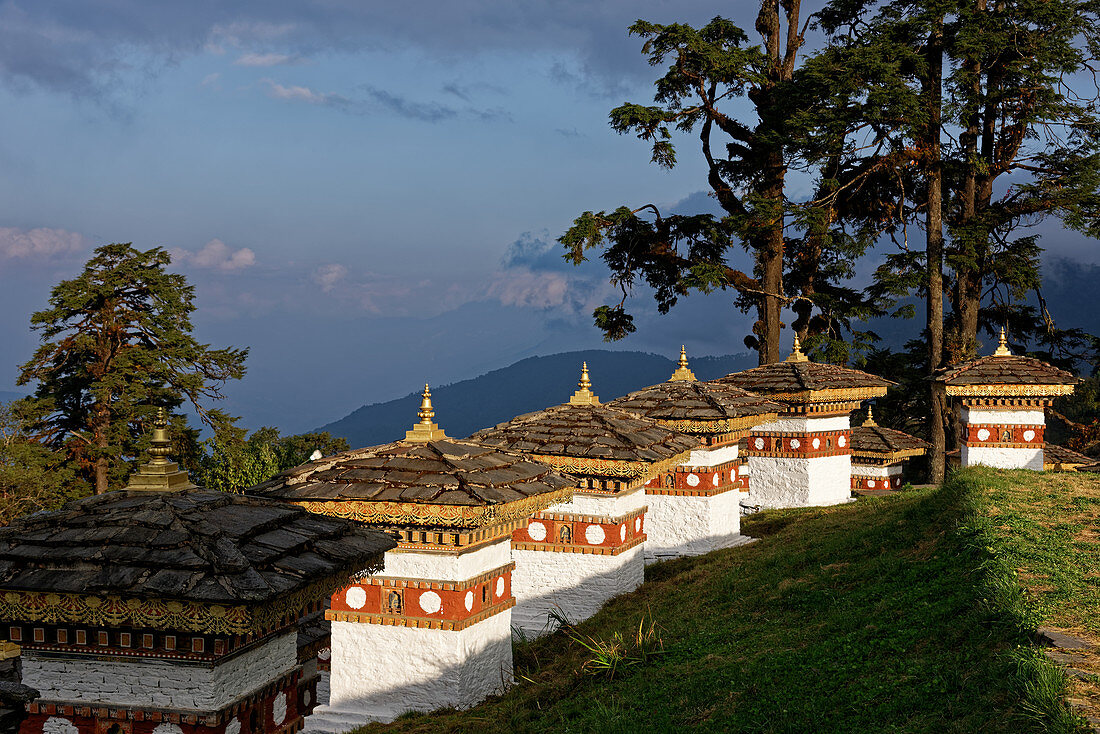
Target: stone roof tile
[{"x": 191, "y": 545}]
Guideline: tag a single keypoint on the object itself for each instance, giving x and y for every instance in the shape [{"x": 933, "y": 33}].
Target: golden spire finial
[
  {"x": 426, "y": 430},
  {"x": 796, "y": 352},
  {"x": 584, "y": 396},
  {"x": 1002, "y": 346},
  {"x": 870, "y": 421},
  {"x": 160, "y": 473},
  {"x": 682, "y": 372}
]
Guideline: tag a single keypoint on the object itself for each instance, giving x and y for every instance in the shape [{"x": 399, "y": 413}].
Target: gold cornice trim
[
  {"x": 113, "y": 610},
  {"x": 1015, "y": 390},
  {"x": 609, "y": 467},
  {"x": 397, "y": 514},
  {"x": 724, "y": 425},
  {"x": 831, "y": 395},
  {"x": 405, "y": 582},
  {"x": 891, "y": 456}
]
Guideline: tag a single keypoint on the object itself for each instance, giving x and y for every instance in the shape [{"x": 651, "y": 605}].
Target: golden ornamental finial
[
  {"x": 682, "y": 372},
  {"x": 584, "y": 396},
  {"x": 870, "y": 421},
  {"x": 796, "y": 352},
  {"x": 426, "y": 430},
  {"x": 160, "y": 473},
  {"x": 1002, "y": 346},
  {"x": 426, "y": 412}
]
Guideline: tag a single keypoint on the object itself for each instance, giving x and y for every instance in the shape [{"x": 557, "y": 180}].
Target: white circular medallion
[
  {"x": 234, "y": 726},
  {"x": 714, "y": 480},
  {"x": 795, "y": 443},
  {"x": 355, "y": 597},
  {"x": 594, "y": 533},
  {"x": 58, "y": 725},
  {"x": 733, "y": 474},
  {"x": 307, "y": 698},
  {"x": 637, "y": 524},
  {"x": 278, "y": 709},
  {"x": 983, "y": 434},
  {"x": 500, "y": 586},
  {"x": 693, "y": 480},
  {"x": 870, "y": 482},
  {"x": 817, "y": 443},
  {"x": 431, "y": 602},
  {"x": 840, "y": 440},
  {"x": 886, "y": 484},
  {"x": 164, "y": 728},
  {"x": 622, "y": 532},
  {"x": 325, "y": 653},
  {"x": 759, "y": 443},
  {"x": 469, "y": 601},
  {"x": 1029, "y": 435},
  {"x": 537, "y": 531}
]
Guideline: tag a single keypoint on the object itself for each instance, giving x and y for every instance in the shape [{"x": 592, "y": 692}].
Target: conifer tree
[
  {"x": 747, "y": 169},
  {"x": 116, "y": 344}
]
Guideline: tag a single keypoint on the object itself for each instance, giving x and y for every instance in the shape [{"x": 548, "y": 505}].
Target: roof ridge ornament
[
  {"x": 869, "y": 422},
  {"x": 796, "y": 352},
  {"x": 682, "y": 372},
  {"x": 584, "y": 396},
  {"x": 426, "y": 430},
  {"x": 160, "y": 473},
  {"x": 1002, "y": 346}
]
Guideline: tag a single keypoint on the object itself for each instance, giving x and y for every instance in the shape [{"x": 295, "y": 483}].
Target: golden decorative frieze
[
  {"x": 609, "y": 467},
  {"x": 165, "y": 614},
  {"x": 999, "y": 391},
  {"x": 396, "y": 514},
  {"x": 728, "y": 425}
]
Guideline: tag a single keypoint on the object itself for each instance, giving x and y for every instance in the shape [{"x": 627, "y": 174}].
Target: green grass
[
  {"x": 891, "y": 614},
  {"x": 1046, "y": 528}
]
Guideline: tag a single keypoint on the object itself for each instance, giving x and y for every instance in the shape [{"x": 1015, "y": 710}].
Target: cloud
[
  {"x": 403, "y": 107},
  {"x": 533, "y": 274},
  {"x": 570, "y": 133},
  {"x": 523, "y": 288},
  {"x": 269, "y": 59},
  {"x": 216, "y": 255},
  {"x": 328, "y": 276},
  {"x": 304, "y": 94},
  {"x": 210, "y": 79},
  {"x": 42, "y": 243}
]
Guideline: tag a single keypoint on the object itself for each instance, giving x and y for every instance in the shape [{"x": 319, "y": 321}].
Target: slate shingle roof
[
  {"x": 692, "y": 400},
  {"x": 588, "y": 432},
  {"x": 880, "y": 441},
  {"x": 193, "y": 545},
  {"x": 801, "y": 378},
  {"x": 1054, "y": 454},
  {"x": 443, "y": 472},
  {"x": 1005, "y": 370}
]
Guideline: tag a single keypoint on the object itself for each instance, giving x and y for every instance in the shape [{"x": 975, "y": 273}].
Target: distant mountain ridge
[{"x": 528, "y": 385}]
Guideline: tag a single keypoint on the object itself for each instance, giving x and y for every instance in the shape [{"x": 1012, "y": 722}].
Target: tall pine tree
[{"x": 116, "y": 344}]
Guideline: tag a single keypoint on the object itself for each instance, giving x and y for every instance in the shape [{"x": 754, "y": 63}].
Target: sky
[{"x": 367, "y": 195}]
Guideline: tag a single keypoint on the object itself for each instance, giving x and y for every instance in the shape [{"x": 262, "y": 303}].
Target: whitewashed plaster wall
[
  {"x": 381, "y": 671},
  {"x": 160, "y": 683},
  {"x": 806, "y": 425},
  {"x": 603, "y": 505},
  {"x": 876, "y": 470},
  {"x": 577, "y": 584},
  {"x": 689, "y": 526},
  {"x": 1007, "y": 417},
  {"x": 799, "y": 482},
  {"x": 1002, "y": 458},
  {"x": 447, "y": 566},
  {"x": 712, "y": 457}
]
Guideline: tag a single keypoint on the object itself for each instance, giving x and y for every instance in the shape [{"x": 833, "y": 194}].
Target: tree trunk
[
  {"x": 934, "y": 248},
  {"x": 102, "y": 427}
]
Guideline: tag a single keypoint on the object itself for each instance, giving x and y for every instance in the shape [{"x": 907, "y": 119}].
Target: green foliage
[
  {"x": 707, "y": 70},
  {"x": 32, "y": 478},
  {"x": 231, "y": 463},
  {"x": 116, "y": 344},
  {"x": 620, "y": 651}
]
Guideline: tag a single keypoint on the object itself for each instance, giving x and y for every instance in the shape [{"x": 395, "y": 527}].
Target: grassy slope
[
  {"x": 1048, "y": 529},
  {"x": 860, "y": 618}
]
